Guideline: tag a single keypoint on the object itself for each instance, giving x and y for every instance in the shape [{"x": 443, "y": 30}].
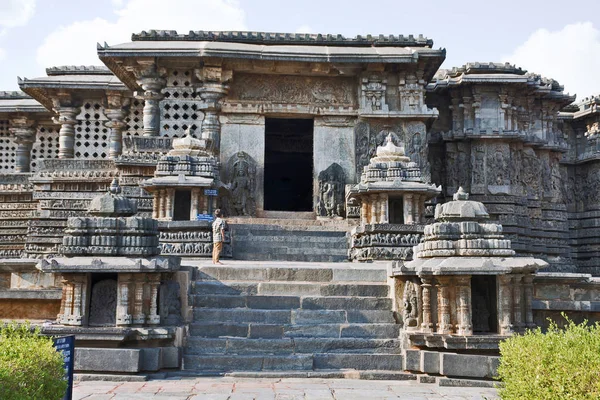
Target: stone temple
[{"x": 386, "y": 218}]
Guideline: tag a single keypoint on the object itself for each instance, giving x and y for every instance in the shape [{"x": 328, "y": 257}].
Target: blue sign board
[
  {"x": 210, "y": 192},
  {"x": 204, "y": 217},
  {"x": 66, "y": 346}
]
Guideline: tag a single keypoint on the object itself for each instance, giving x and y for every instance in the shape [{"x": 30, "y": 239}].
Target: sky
[{"x": 557, "y": 39}]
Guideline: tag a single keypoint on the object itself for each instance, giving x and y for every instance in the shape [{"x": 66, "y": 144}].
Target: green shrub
[
  {"x": 563, "y": 363},
  {"x": 30, "y": 368}
]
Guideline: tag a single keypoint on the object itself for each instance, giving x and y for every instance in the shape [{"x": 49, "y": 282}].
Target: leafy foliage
[
  {"x": 30, "y": 368},
  {"x": 558, "y": 364}
]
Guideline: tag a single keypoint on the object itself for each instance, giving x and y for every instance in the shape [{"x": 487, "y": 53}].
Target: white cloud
[
  {"x": 304, "y": 29},
  {"x": 570, "y": 55},
  {"x": 15, "y": 12},
  {"x": 75, "y": 44},
  {"x": 2, "y": 54}
]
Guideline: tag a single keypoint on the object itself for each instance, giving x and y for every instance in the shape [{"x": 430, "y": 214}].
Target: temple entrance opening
[
  {"x": 182, "y": 204},
  {"x": 396, "y": 210},
  {"x": 484, "y": 302},
  {"x": 103, "y": 302},
  {"x": 288, "y": 164}
]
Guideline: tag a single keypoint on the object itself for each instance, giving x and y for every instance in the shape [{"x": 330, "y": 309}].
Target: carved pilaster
[
  {"x": 139, "y": 317},
  {"x": 505, "y": 303},
  {"x": 444, "y": 316},
  {"x": 212, "y": 91},
  {"x": 156, "y": 205},
  {"x": 517, "y": 303},
  {"x": 528, "y": 299},
  {"x": 408, "y": 209},
  {"x": 24, "y": 131},
  {"x": 67, "y": 118},
  {"x": 152, "y": 82},
  {"x": 195, "y": 206},
  {"x": 170, "y": 195},
  {"x": 364, "y": 212},
  {"x": 384, "y": 214},
  {"x": 374, "y": 210},
  {"x": 153, "y": 317},
  {"x": 426, "y": 325},
  {"x": 124, "y": 316},
  {"x": 74, "y": 301},
  {"x": 463, "y": 288}
]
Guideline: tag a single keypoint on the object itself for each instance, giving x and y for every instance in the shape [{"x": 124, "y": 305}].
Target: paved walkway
[{"x": 274, "y": 389}]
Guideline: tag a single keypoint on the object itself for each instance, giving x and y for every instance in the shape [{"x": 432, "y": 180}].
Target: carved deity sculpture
[
  {"x": 331, "y": 192},
  {"x": 410, "y": 311},
  {"x": 242, "y": 172}
]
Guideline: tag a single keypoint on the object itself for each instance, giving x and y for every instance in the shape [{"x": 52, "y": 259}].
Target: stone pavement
[{"x": 274, "y": 389}]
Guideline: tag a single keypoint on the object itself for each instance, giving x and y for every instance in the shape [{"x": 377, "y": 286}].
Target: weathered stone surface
[
  {"x": 470, "y": 366},
  {"x": 108, "y": 360}
]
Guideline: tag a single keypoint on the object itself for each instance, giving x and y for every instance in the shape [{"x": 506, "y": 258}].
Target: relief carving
[
  {"x": 241, "y": 171},
  {"x": 103, "y": 304},
  {"x": 331, "y": 192},
  {"x": 410, "y": 312}
]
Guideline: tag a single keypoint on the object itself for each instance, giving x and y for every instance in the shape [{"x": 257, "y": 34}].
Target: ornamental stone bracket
[{"x": 24, "y": 131}]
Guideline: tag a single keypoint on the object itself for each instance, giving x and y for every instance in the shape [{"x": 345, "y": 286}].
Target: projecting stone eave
[
  {"x": 17, "y": 102},
  {"x": 394, "y": 187},
  {"x": 186, "y": 51},
  {"x": 109, "y": 264},
  {"x": 459, "y": 265},
  {"x": 177, "y": 181}
]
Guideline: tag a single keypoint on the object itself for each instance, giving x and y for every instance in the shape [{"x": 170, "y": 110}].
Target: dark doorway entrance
[
  {"x": 396, "y": 210},
  {"x": 483, "y": 301},
  {"x": 182, "y": 204},
  {"x": 288, "y": 164}
]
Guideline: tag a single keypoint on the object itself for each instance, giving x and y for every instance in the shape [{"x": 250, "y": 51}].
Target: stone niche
[
  {"x": 391, "y": 197},
  {"x": 464, "y": 280}
]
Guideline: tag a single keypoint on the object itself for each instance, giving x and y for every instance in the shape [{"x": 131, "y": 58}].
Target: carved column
[
  {"x": 426, "y": 325},
  {"x": 505, "y": 302},
  {"x": 24, "y": 131},
  {"x": 116, "y": 125},
  {"x": 123, "y": 315},
  {"x": 416, "y": 208},
  {"x": 162, "y": 203},
  {"x": 153, "y": 317},
  {"x": 444, "y": 317},
  {"x": 408, "y": 209},
  {"x": 156, "y": 204},
  {"x": 75, "y": 310},
  {"x": 374, "y": 210},
  {"x": 67, "y": 118},
  {"x": 384, "y": 214},
  {"x": 194, "y": 210},
  {"x": 364, "y": 211},
  {"x": 139, "y": 318},
  {"x": 214, "y": 88},
  {"x": 517, "y": 303},
  {"x": 152, "y": 81},
  {"x": 169, "y": 206},
  {"x": 66, "y": 303},
  {"x": 463, "y": 287},
  {"x": 528, "y": 300}
]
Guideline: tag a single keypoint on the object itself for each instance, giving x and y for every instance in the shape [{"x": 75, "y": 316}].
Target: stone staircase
[
  {"x": 289, "y": 240},
  {"x": 293, "y": 318}
]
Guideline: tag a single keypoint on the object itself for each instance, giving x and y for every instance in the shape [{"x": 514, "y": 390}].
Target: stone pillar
[
  {"x": 76, "y": 300},
  {"x": 528, "y": 300},
  {"x": 374, "y": 211},
  {"x": 116, "y": 125},
  {"x": 384, "y": 213},
  {"x": 153, "y": 317},
  {"x": 426, "y": 325},
  {"x": 123, "y": 315},
  {"x": 444, "y": 316},
  {"x": 517, "y": 303},
  {"x": 24, "y": 131},
  {"x": 505, "y": 302},
  {"x": 408, "y": 209},
  {"x": 162, "y": 196},
  {"x": 214, "y": 88},
  {"x": 67, "y": 118},
  {"x": 169, "y": 206},
  {"x": 139, "y": 318},
  {"x": 205, "y": 204},
  {"x": 194, "y": 209},
  {"x": 66, "y": 303},
  {"x": 417, "y": 209},
  {"x": 156, "y": 204},
  {"x": 364, "y": 211},
  {"x": 152, "y": 81},
  {"x": 463, "y": 288}
]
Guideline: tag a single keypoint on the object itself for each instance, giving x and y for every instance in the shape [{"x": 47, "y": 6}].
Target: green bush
[
  {"x": 563, "y": 363},
  {"x": 30, "y": 368}
]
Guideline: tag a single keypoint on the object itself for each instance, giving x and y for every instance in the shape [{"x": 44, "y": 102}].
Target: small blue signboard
[
  {"x": 204, "y": 217},
  {"x": 66, "y": 346},
  {"x": 210, "y": 192}
]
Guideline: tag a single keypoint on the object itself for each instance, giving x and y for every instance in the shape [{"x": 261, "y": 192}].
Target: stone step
[
  {"x": 215, "y": 329},
  {"x": 284, "y": 230},
  {"x": 288, "y": 257},
  {"x": 294, "y": 362},
  {"x": 293, "y": 317},
  {"x": 328, "y": 374},
  {"x": 233, "y": 345},
  {"x": 266, "y": 303},
  {"x": 298, "y": 271},
  {"x": 277, "y": 289}
]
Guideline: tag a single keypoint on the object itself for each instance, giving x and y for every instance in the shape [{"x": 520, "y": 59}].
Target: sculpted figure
[
  {"x": 410, "y": 314},
  {"x": 242, "y": 171},
  {"x": 331, "y": 192}
]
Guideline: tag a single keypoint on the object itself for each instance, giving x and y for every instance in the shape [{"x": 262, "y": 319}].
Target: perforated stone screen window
[
  {"x": 179, "y": 109},
  {"x": 45, "y": 145},
  {"x": 91, "y": 136},
  {"x": 134, "y": 120},
  {"x": 8, "y": 148}
]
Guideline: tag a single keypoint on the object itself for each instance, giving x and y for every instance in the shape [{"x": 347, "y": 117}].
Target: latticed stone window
[
  {"x": 45, "y": 145},
  {"x": 8, "y": 149},
  {"x": 134, "y": 120},
  {"x": 91, "y": 136},
  {"x": 179, "y": 109}
]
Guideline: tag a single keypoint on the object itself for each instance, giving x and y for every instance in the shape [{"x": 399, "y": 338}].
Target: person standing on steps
[{"x": 218, "y": 232}]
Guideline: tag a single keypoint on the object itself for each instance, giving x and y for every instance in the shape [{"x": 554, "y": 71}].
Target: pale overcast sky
[{"x": 558, "y": 39}]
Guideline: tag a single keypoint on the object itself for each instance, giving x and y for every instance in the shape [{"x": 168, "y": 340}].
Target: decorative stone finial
[
  {"x": 460, "y": 195},
  {"x": 115, "y": 188}
]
